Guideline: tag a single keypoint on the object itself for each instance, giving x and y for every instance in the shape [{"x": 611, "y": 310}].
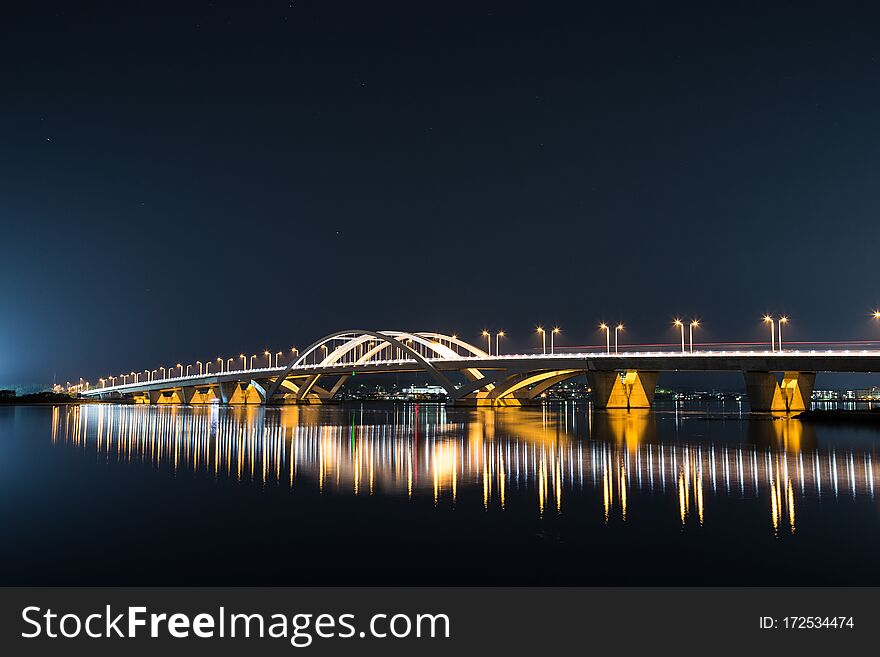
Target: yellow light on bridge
[
  {"x": 677, "y": 323},
  {"x": 769, "y": 320},
  {"x": 604, "y": 327}
]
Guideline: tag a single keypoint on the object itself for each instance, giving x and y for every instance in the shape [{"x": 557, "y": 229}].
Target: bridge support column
[
  {"x": 155, "y": 396},
  {"x": 767, "y": 394},
  {"x": 630, "y": 389}
]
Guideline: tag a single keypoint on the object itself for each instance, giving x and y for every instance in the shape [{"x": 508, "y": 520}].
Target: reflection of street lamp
[
  {"x": 498, "y": 337},
  {"x": 694, "y": 324},
  {"x": 617, "y": 329},
  {"x": 543, "y": 339},
  {"x": 680, "y": 325},
  {"x": 488, "y": 337},
  {"x": 605, "y": 328},
  {"x": 555, "y": 330},
  {"x": 782, "y": 320},
  {"x": 769, "y": 320}
]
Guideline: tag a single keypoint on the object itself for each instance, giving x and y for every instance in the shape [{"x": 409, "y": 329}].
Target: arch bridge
[{"x": 775, "y": 380}]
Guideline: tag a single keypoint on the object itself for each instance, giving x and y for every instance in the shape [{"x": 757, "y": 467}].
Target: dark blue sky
[{"x": 188, "y": 180}]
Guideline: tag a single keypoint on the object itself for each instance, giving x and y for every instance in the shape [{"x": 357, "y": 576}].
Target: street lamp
[
  {"x": 543, "y": 339},
  {"x": 603, "y": 326},
  {"x": 498, "y": 337},
  {"x": 488, "y": 337},
  {"x": 103, "y": 383},
  {"x": 694, "y": 324},
  {"x": 153, "y": 375},
  {"x": 112, "y": 380},
  {"x": 229, "y": 364},
  {"x": 278, "y": 357},
  {"x": 243, "y": 361},
  {"x": 251, "y": 363},
  {"x": 181, "y": 368},
  {"x": 188, "y": 368},
  {"x": 137, "y": 376},
  {"x": 163, "y": 371},
  {"x": 268, "y": 358},
  {"x": 680, "y": 325},
  {"x": 124, "y": 378},
  {"x": 782, "y": 320},
  {"x": 201, "y": 367},
  {"x": 769, "y": 320},
  {"x": 617, "y": 329},
  {"x": 555, "y": 330},
  {"x": 877, "y": 314}
]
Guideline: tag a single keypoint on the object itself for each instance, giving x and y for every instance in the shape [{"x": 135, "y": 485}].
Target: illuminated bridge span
[{"x": 775, "y": 380}]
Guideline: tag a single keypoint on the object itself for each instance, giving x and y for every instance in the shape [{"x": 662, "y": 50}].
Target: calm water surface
[{"x": 421, "y": 494}]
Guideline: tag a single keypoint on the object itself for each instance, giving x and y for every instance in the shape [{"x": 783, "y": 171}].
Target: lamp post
[
  {"x": 617, "y": 329},
  {"x": 229, "y": 364},
  {"x": 769, "y": 320},
  {"x": 488, "y": 337},
  {"x": 694, "y": 324},
  {"x": 543, "y": 339},
  {"x": 603, "y": 326},
  {"x": 555, "y": 330},
  {"x": 181, "y": 369},
  {"x": 268, "y": 358},
  {"x": 137, "y": 376},
  {"x": 278, "y": 357},
  {"x": 153, "y": 375},
  {"x": 103, "y": 383},
  {"x": 251, "y": 362},
  {"x": 498, "y": 337},
  {"x": 201, "y": 367},
  {"x": 680, "y": 325},
  {"x": 146, "y": 375},
  {"x": 188, "y": 367},
  {"x": 112, "y": 380},
  {"x": 782, "y": 320},
  {"x": 163, "y": 371},
  {"x": 243, "y": 361},
  {"x": 124, "y": 378}
]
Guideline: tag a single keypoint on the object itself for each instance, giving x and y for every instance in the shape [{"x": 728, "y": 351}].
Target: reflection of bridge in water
[{"x": 504, "y": 455}]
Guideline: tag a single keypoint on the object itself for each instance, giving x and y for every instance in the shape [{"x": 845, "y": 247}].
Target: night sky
[{"x": 187, "y": 180}]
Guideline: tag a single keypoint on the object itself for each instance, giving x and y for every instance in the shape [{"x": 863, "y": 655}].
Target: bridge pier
[
  {"x": 767, "y": 394},
  {"x": 629, "y": 389}
]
